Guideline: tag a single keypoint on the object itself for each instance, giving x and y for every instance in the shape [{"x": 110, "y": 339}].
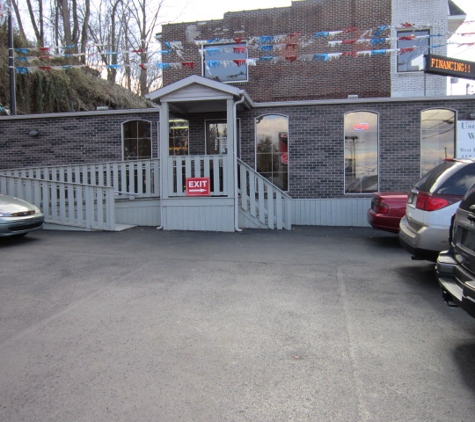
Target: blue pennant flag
[
  {"x": 213, "y": 64},
  {"x": 22, "y": 70},
  {"x": 321, "y": 57},
  {"x": 266, "y": 48},
  {"x": 265, "y": 39}
]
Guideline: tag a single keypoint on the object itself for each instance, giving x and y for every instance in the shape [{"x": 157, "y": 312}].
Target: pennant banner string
[{"x": 286, "y": 45}]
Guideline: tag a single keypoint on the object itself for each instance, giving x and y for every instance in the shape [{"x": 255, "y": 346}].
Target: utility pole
[{"x": 11, "y": 61}]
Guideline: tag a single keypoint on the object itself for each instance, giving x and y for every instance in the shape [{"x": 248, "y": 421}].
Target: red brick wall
[{"x": 367, "y": 77}]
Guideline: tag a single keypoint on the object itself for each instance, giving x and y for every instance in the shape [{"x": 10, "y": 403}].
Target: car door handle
[{"x": 471, "y": 217}]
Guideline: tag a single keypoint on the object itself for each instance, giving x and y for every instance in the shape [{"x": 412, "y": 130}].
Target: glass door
[{"x": 216, "y": 137}]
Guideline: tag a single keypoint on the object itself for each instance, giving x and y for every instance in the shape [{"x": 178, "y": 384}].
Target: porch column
[
  {"x": 163, "y": 148},
  {"x": 231, "y": 120}
]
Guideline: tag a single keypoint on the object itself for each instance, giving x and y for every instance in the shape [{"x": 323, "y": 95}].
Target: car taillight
[
  {"x": 428, "y": 202},
  {"x": 380, "y": 208}
]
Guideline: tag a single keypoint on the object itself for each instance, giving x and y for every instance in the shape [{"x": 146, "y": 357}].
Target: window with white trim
[
  {"x": 361, "y": 152},
  {"x": 272, "y": 149},
  {"x": 412, "y": 45},
  {"x": 225, "y": 62},
  {"x": 437, "y": 137}
]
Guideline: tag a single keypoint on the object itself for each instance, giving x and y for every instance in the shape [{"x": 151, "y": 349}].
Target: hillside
[{"x": 63, "y": 90}]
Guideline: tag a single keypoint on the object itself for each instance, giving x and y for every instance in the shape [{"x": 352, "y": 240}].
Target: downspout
[
  {"x": 160, "y": 164},
  {"x": 236, "y": 199}
]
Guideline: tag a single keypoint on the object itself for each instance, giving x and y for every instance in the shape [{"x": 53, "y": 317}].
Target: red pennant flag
[
  {"x": 238, "y": 40},
  {"x": 239, "y": 50},
  {"x": 291, "y": 58},
  {"x": 45, "y": 68},
  {"x": 348, "y": 41},
  {"x": 189, "y": 65},
  {"x": 142, "y": 66},
  {"x": 44, "y": 49},
  {"x": 240, "y": 62}
]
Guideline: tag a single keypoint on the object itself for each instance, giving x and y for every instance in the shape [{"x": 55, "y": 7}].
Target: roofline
[
  {"x": 249, "y": 103},
  {"x": 91, "y": 113},
  {"x": 361, "y": 101},
  {"x": 194, "y": 79}
]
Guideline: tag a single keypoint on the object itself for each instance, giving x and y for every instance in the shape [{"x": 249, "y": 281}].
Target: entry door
[{"x": 217, "y": 137}]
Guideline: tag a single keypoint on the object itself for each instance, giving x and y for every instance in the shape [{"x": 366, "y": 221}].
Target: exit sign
[{"x": 197, "y": 186}]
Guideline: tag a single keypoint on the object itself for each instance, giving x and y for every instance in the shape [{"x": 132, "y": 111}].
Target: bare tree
[
  {"x": 121, "y": 31},
  {"x": 18, "y": 18},
  {"x": 141, "y": 32},
  {"x": 106, "y": 30},
  {"x": 75, "y": 23}
]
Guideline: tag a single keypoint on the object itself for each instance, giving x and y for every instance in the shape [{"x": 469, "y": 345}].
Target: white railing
[
  {"x": 90, "y": 207},
  {"x": 128, "y": 178},
  {"x": 181, "y": 167},
  {"x": 263, "y": 200}
]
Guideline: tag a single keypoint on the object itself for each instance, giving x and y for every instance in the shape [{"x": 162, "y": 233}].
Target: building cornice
[{"x": 80, "y": 114}]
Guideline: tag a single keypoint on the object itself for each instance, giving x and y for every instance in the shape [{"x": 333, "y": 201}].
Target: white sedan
[{"x": 18, "y": 217}]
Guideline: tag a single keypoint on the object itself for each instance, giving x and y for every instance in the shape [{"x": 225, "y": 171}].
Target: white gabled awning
[{"x": 197, "y": 94}]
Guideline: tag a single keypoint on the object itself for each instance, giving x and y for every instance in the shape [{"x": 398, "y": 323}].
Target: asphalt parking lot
[{"x": 315, "y": 324}]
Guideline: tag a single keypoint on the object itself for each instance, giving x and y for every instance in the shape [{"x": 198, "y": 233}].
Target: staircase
[{"x": 261, "y": 204}]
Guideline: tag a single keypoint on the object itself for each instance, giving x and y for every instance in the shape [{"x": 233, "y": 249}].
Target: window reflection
[
  {"x": 361, "y": 152},
  {"x": 272, "y": 149},
  {"x": 178, "y": 137},
  {"x": 137, "y": 140},
  {"x": 217, "y": 138},
  {"x": 412, "y": 46},
  {"x": 437, "y": 137}
]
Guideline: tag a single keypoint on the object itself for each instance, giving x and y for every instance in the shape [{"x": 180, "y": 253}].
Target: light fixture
[
  {"x": 471, "y": 116},
  {"x": 33, "y": 133}
]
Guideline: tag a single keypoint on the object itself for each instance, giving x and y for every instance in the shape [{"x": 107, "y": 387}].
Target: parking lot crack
[{"x": 363, "y": 414}]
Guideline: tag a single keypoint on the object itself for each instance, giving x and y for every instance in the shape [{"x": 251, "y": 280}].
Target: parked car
[
  {"x": 456, "y": 266},
  {"x": 424, "y": 230},
  {"x": 18, "y": 217},
  {"x": 386, "y": 211}
]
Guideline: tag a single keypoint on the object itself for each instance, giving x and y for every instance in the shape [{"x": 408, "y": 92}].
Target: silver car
[
  {"x": 18, "y": 217},
  {"x": 424, "y": 230}
]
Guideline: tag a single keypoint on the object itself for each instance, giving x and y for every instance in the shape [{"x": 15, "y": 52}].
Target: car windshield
[{"x": 448, "y": 178}]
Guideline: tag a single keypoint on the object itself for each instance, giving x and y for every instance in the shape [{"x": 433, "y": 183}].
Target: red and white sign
[
  {"x": 197, "y": 186},
  {"x": 361, "y": 126}
]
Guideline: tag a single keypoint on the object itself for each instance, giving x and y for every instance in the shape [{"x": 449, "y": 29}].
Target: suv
[
  {"x": 424, "y": 230},
  {"x": 456, "y": 266}
]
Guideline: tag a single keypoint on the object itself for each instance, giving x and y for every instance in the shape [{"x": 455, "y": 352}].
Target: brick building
[
  {"x": 318, "y": 49},
  {"x": 325, "y": 99}
]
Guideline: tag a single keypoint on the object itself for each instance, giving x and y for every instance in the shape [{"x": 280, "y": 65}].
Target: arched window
[
  {"x": 272, "y": 149},
  {"x": 361, "y": 152},
  {"x": 137, "y": 141},
  {"x": 437, "y": 137}
]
